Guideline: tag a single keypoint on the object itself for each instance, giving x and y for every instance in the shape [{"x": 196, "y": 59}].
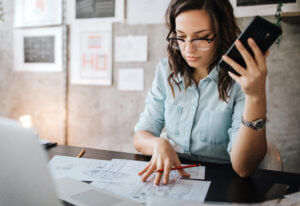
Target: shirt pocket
[
  {"x": 215, "y": 124},
  {"x": 172, "y": 118}
]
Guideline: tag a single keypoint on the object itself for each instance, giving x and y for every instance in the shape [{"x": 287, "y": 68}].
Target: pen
[
  {"x": 81, "y": 153},
  {"x": 181, "y": 167}
]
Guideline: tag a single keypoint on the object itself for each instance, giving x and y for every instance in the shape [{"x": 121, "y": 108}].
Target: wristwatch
[{"x": 256, "y": 124}]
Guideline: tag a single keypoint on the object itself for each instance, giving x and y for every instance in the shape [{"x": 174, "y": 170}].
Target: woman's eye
[{"x": 202, "y": 37}]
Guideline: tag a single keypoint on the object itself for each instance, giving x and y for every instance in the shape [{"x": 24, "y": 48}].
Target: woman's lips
[{"x": 192, "y": 59}]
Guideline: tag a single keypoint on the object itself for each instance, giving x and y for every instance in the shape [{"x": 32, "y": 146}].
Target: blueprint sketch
[
  {"x": 120, "y": 176},
  {"x": 77, "y": 168},
  {"x": 176, "y": 188},
  {"x": 132, "y": 187},
  {"x": 132, "y": 166}
]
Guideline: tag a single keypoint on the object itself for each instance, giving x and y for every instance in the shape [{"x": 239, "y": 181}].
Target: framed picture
[
  {"x": 30, "y": 13},
  {"x": 247, "y": 8},
  {"x": 38, "y": 49},
  {"x": 91, "y": 53},
  {"x": 83, "y": 10}
]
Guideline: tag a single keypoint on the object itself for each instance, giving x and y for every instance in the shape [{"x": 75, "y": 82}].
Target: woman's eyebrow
[{"x": 197, "y": 32}]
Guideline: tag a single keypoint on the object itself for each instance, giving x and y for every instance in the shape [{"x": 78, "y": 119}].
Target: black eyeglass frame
[{"x": 176, "y": 39}]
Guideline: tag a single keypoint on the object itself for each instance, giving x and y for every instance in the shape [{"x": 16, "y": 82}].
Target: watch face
[{"x": 259, "y": 123}]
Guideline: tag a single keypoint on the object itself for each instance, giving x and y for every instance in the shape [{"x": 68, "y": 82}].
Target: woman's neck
[{"x": 199, "y": 74}]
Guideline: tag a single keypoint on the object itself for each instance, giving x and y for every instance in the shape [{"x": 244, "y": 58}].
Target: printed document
[{"x": 120, "y": 177}]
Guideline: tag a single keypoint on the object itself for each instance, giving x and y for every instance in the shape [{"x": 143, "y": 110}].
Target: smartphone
[{"x": 264, "y": 34}]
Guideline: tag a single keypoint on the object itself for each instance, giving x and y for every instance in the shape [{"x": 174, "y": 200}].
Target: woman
[{"x": 209, "y": 114}]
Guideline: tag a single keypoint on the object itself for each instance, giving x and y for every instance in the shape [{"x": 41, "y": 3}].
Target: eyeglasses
[{"x": 202, "y": 44}]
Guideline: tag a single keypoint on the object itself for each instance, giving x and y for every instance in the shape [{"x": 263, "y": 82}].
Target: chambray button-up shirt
[{"x": 197, "y": 121}]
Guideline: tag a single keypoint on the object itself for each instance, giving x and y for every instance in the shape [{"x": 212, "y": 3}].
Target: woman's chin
[{"x": 193, "y": 64}]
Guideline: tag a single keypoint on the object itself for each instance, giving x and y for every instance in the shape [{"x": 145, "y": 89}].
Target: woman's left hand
[{"x": 253, "y": 78}]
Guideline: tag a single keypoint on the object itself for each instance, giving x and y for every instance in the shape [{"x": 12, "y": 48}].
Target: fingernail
[{"x": 238, "y": 42}]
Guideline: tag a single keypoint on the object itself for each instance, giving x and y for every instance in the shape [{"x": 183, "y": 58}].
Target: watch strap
[{"x": 256, "y": 124}]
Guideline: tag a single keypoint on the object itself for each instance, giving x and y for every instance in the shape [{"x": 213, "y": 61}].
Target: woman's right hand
[{"x": 163, "y": 157}]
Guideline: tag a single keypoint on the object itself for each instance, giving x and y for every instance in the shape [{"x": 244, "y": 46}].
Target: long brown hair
[{"x": 226, "y": 29}]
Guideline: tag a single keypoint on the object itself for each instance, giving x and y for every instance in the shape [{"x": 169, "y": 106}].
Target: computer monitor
[{"x": 24, "y": 175}]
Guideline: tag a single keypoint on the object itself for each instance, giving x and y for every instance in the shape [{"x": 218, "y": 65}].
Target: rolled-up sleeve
[
  {"x": 152, "y": 118},
  {"x": 238, "y": 108}
]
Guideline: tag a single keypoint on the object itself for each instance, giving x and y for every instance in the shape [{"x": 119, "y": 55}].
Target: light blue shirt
[{"x": 201, "y": 124}]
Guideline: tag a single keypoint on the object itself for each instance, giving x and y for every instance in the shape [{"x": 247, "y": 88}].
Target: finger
[
  {"x": 245, "y": 54},
  {"x": 149, "y": 172},
  {"x": 234, "y": 77},
  {"x": 181, "y": 171},
  {"x": 167, "y": 170},
  {"x": 267, "y": 54},
  {"x": 157, "y": 178},
  {"x": 259, "y": 56},
  {"x": 238, "y": 68},
  {"x": 145, "y": 169}
]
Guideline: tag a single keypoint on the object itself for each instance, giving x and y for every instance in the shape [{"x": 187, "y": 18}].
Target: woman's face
[{"x": 194, "y": 24}]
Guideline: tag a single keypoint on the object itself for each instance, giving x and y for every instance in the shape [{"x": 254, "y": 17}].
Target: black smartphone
[{"x": 264, "y": 34}]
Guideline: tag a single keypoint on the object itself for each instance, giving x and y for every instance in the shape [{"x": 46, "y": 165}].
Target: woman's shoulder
[
  {"x": 163, "y": 69},
  {"x": 163, "y": 65}
]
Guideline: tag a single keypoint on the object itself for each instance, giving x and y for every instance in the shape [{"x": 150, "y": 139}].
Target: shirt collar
[{"x": 213, "y": 75}]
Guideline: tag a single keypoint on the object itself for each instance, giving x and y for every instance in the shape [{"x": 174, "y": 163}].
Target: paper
[
  {"x": 144, "y": 12},
  {"x": 133, "y": 167},
  {"x": 127, "y": 183},
  {"x": 163, "y": 201},
  {"x": 131, "y": 80},
  {"x": 176, "y": 188},
  {"x": 295, "y": 196},
  {"x": 119, "y": 176},
  {"x": 79, "y": 193},
  {"x": 131, "y": 49},
  {"x": 77, "y": 168}
]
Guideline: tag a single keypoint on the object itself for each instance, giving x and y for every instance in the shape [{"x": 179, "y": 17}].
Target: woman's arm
[
  {"x": 250, "y": 147},
  {"x": 144, "y": 142}
]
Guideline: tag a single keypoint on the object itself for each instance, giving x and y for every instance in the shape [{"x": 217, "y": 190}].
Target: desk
[{"x": 226, "y": 185}]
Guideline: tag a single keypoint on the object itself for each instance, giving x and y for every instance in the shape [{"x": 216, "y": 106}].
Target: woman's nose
[{"x": 189, "y": 47}]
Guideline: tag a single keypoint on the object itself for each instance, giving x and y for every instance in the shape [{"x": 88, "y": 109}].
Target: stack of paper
[{"x": 120, "y": 177}]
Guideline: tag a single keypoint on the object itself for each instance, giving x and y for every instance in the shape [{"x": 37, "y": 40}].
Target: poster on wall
[
  {"x": 38, "y": 49},
  {"x": 29, "y": 13},
  {"x": 131, "y": 79},
  {"x": 91, "y": 53},
  {"x": 145, "y": 12},
  {"x": 247, "y": 8},
  {"x": 83, "y": 10},
  {"x": 131, "y": 48}
]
